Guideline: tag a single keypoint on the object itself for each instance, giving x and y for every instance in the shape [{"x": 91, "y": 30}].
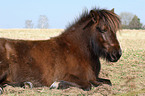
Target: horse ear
[
  {"x": 112, "y": 10},
  {"x": 93, "y": 15}
]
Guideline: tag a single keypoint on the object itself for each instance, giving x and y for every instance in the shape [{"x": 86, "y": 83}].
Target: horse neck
[
  {"x": 76, "y": 34},
  {"x": 76, "y": 39}
]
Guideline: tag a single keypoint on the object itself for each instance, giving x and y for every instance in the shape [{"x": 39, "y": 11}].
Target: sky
[{"x": 14, "y": 13}]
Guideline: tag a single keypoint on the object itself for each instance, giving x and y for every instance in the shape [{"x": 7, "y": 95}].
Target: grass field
[{"x": 127, "y": 75}]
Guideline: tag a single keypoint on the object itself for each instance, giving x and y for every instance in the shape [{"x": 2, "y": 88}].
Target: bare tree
[
  {"x": 28, "y": 24},
  {"x": 135, "y": 23},
  {"x": 43, "y": 22},
  {"x": 126, "y": 18}
]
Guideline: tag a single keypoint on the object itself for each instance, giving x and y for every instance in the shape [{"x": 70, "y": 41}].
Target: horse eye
[
  {"x": 101, "y": 30},
  {"x": 105, "y": 30}
]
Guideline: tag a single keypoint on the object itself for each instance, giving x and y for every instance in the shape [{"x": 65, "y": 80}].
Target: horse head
[{"x": 104, "y": 43}]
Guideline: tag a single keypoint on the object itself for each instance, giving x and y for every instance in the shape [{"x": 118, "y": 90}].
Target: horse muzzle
[{"x": 114, "y": 56}]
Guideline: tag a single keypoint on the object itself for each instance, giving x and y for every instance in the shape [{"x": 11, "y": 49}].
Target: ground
[{"x": 127, "y": 75}]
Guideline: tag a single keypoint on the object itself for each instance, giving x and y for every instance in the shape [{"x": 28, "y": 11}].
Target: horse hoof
[
  {"x": 1, "y": 90},
  {"x": 87, "y": 89},
  {"x": 54, "y": 85},
  {"x": 28, "y": 85},
  {"x": 109, "y": 83}
]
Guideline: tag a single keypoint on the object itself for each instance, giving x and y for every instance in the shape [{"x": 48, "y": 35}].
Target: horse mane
[
  {"x": 82, "y": 17},
  {"x": 110, "y": 18}
]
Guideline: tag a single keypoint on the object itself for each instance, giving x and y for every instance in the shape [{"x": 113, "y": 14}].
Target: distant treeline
[{"x": 130, "y": 21}]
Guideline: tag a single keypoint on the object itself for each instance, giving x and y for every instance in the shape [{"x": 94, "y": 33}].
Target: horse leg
[
  {"x": 101, "y": 81},
  {"x": 66, "y": 84},
  {"x": 28, "y": 85},
  {"x": 97, "y": 68},
  {"x": 104, "y": 81},
  {"x": 63, "y": 85},
  {"x": 72, "y": 81},
  {"x": 21, "y": 84},
  {"x": 25, "y": 85}
]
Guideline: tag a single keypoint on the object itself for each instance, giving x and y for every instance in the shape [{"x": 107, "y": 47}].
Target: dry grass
[
  {"x": 30, "y": 34},
  {"x": 127, "y": 75}
]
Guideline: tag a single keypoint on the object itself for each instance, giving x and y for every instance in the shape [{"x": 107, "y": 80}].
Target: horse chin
[{"x": 114, "y": 57}]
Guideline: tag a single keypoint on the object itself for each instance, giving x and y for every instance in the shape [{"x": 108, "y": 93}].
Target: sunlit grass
[{"x": 30, "y": 34}]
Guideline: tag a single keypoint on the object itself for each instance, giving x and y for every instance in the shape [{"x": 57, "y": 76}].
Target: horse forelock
[{"x": 111, "y": 19}]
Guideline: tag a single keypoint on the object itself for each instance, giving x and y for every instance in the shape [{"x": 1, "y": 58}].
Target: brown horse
[{"x": 72, "y": 58}]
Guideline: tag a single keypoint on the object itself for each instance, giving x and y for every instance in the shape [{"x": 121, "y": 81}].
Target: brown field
[{"x": 127, "y": 75}]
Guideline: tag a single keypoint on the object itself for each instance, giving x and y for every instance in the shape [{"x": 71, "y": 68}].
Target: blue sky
[{"x": 60, "y": 13}]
